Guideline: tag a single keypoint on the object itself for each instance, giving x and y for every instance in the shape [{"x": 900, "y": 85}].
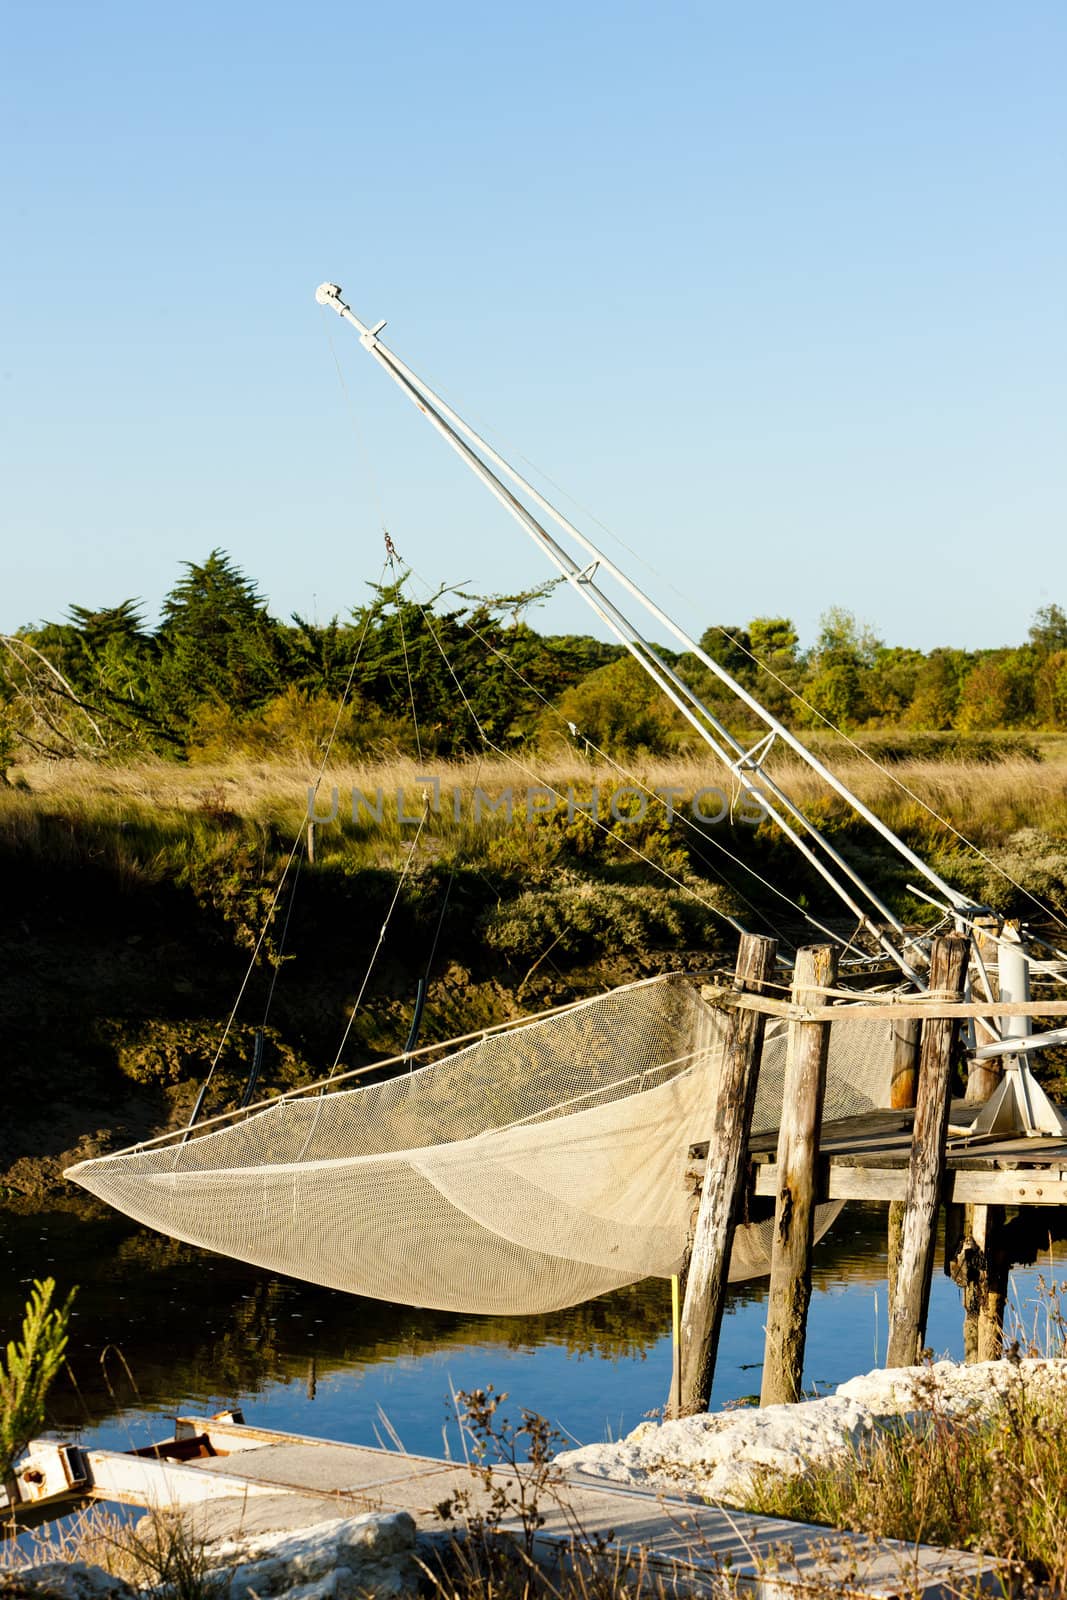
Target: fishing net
[{"x": 532, "y": 1170}]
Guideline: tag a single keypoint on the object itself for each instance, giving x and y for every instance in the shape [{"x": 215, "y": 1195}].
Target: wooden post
[
  {"x": 905, "y": 1080},
  {"x": 794, "y": 1207},
  {"x": 705, "y": 1289},
  {"x": 984, "y": 1076},
  {"x": 675, "y": 1403},
  {"x": 902, "y": 1090},
  {"x": 994, "y": 1283},
  {"x": 311, "y": 844},
  {"x": 907, "y": 1321},
  {"x": 973, "y": 1265},
  {"x": 980, "y": 1267}
]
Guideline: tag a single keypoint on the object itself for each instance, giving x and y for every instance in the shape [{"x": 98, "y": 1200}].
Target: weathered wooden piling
[
  {"x": 798, "y": 1153},
  {"x": 984, "y": 1076},
  {"x": 980, "y": 1266},
  {"x": 902, "y": 1091},
  {"x": 974, "y": 1263},
  {"x": 907, "y": 1321},
  {"x": 905, "y": 1080},
  {"x": 705, "y": 1289}
]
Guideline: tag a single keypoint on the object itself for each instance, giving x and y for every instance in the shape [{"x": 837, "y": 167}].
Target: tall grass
[
  {"x": 998, "y": 1485},
  {"x": 983, "y": 798},
  {"x": 145, "y": 814}
]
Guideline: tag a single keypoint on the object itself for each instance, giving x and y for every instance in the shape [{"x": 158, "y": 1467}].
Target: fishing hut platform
[
  {"x": 1001, "y": 1149},
  {"x": 237, "y": 1481},
  {"x": 868, "y": 1158}
]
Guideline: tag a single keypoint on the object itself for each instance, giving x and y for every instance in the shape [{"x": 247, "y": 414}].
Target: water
[{"x": 160, "y": 1328}]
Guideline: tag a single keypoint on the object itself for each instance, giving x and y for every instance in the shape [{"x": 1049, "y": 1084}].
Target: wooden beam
[
  {"x": 705, "y": 1289},
  {"x": 907, "y": 1322},
  {"x": 794, "y": 1211},
  {"x": 1019, "y": 1188},
  {"x": 884, "y": 1010}
]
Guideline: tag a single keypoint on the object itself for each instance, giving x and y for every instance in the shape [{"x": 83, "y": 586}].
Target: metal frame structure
[{"x": 1032, "y": 1109}]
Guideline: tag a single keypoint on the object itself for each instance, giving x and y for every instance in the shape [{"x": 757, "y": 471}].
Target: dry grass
[
  {"x": 976, "y": 796},
  {"x": 159, "y": 1553},
  {"x": 996, "y": 1484},
  {"x": 985, "y": 801},
  {"x": 223, "y": 831},
  {"x": 999, "y": 1486}
]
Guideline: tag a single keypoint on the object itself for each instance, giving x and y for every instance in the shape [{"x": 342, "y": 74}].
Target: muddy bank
[{"x": 115, "y": 985}]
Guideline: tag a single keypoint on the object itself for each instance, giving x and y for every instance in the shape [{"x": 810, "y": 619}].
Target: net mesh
[{"x": 532, "y": 1170}]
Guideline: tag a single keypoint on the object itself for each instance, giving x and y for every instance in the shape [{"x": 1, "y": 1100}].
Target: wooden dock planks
[{"x": 265, "y": 1481}]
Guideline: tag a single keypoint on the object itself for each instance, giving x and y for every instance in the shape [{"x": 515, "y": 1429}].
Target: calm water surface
[{"x": 161, "y": 1328}]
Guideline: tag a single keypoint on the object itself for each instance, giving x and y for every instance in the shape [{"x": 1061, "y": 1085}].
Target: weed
[
  {"x": 996, "y": 1484},
  {"x": 511, "y": 1465},
  {"x": 499, "y": 1517},
  {"x": 160, "y": 1553},
  {"x": 30, "y": 1367}
]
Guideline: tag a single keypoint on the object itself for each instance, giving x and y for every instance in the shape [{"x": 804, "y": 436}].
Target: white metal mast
[
  {"x": 1032, "y": 1110},
  {"x": 746, "y": 765}
]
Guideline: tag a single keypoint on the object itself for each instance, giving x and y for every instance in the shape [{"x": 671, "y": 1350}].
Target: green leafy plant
[{"x": 29, "y": 1369}]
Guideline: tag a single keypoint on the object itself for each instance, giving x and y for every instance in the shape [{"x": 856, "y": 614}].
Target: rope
[
  {"x": 282, "y": 940},
  {"x": 366, "y": 979},
  {"x": 905, "y": 788},
  {"x": 637, "y": 782},
  {"x": 275, "y": 1101},
  {"x": 357, "y": 431},
  {"x": 299, "y": 844},
  {"x": 381, "y": 937},
  {"x": 526, "y": 771},
  {"x": 390, "y": 549}
]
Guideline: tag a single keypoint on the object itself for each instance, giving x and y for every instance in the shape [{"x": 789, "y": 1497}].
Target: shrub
[
  {"x": 583, "y": 918},
  {"x": 998, "y": 1485},
  {"x": 28, "y": 1370},
  {"x": 1031, "y": 862}
]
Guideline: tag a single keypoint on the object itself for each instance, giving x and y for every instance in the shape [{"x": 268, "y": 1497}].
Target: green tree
[
  {"x": 1050, "y": 690},
  {"x": 217, "y": 642},
  {"x": 1048, "y": 631},
  {"x": 890, "y": 682},
  {"x": 775, "y": 645},
  {"x": 936, "y": 692},
  {"x": 774, "y": 641},
  {"x": 842, "y": 639},
  {"x": 619, "y": 709},
  {"x": 840, "y": 663},
  {"x": 731, "y": 647},
  {"x": 836, "y": 692},
  {"x": 997, "y": 692},
  {"x": 116, "y": 662}
]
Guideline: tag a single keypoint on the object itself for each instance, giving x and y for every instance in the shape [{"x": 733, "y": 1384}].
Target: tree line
[{"x": 220, "y": 676}]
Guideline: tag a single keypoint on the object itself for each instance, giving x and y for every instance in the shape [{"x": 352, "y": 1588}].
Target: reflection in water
[{"x": 160, "y": 1327}]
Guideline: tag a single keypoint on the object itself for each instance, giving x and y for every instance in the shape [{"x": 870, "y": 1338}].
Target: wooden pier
[
  {"x": 922, "y": 1156},
  {"x": 233, "y": 1481}
]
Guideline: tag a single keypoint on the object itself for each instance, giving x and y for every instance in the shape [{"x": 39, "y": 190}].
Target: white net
[{"x": 531, "y": 1170}]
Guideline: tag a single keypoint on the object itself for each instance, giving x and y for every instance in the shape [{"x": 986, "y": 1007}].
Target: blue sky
[{"x": 776, "y": 291}]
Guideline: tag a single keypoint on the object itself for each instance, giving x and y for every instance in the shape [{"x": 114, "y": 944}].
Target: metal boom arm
[{"x": 744, "y": 765}]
